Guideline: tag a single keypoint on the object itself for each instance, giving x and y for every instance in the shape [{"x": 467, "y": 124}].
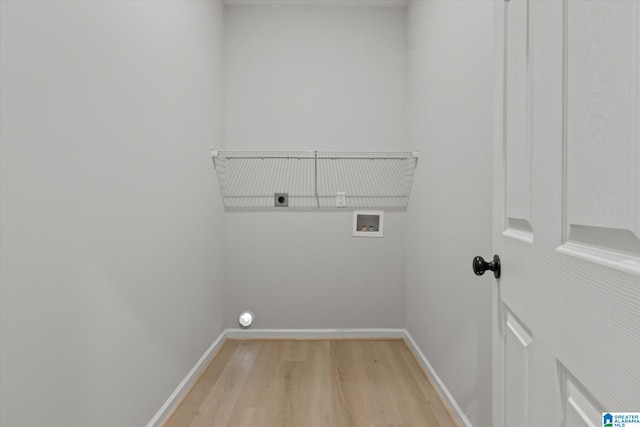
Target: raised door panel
[
  {"x": 580, "y": 409},
  {"x": 516, "y": 122},
  {"x": 602, "y": 220},
  {"x": 517, "y": 371}
]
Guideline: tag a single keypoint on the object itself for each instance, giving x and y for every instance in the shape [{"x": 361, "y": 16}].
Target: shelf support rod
[{"x": 315, "y": 170}]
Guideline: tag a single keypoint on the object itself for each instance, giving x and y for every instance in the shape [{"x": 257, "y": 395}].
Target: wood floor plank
[
  {"x": 317, "y": 386},
  {"x": 435, "y": 402},
  {"x": 349, "y": 406},
  {"x": 192, "y": 402},
  {"x": 294, "y": 349},
  {"x": 284, "y": 405},
  {"x": 248, "y": 417},
  {"x": 216, "y": 408},
  {"x": 414, "y": 406},
  {"x": 260, "y": 380},
  {"x": 312, "y": 383},
  {"x": 379, "y": 400}
]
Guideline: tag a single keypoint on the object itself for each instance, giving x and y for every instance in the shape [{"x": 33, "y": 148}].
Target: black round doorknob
[{"x": 480, "y": 266}]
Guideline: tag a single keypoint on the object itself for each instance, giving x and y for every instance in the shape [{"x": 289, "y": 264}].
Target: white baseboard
[
  {"x": 314, "y": 333},
  {"x": 185, "y": 385},
  {"x": 456, "y": 411}
]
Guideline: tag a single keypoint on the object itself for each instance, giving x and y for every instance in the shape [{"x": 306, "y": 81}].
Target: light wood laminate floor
[{"x": 316, "y": 383}]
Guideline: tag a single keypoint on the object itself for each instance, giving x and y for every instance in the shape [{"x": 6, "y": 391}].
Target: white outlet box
[
  {"x": 368, "y": 223},
  {"x": 341, "y": 200}
]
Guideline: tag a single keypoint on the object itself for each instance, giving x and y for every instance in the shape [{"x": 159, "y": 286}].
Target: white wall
[
  {"x": 326, "y": 78},
  {"x": 111, "y": 284},
  {"x": 448, "y": 308},
  {"x": 111, "y": 225}
]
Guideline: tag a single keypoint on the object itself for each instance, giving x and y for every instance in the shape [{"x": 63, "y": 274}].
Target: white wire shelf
[{"x": 312, "y": 179}]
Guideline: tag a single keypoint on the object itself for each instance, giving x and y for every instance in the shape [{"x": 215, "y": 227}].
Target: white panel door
[{"x": 566, "y": 211}]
